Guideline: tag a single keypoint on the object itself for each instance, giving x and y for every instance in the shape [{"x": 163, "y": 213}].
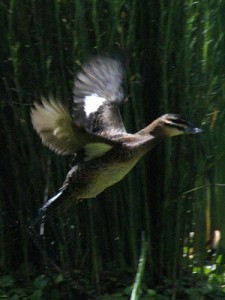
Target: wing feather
[
  {"x": 98, "y": 94},
  {"x": 56, "y": 128}
]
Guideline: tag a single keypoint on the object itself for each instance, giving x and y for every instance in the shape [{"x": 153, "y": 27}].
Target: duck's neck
[
  {"x": 141, "y": 143},
  {"x": 154, "y": 129},
  {"x": 150, "y": 138},
  {"x": 149, "y": 143}
]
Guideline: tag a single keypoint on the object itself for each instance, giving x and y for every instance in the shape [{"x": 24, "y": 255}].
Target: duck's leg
[
  {"x": 49, "y": 207},
  {"x": 44, "y": 208}
]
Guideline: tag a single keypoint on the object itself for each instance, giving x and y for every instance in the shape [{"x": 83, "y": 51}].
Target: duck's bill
[{"x": 193, "y": 130}]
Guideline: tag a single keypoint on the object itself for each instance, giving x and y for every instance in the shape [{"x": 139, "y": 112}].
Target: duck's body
[
  {"x": 94, "y": 176},
  {"x": 89, "y": 179},
  {"x": 95, "y": 133}
]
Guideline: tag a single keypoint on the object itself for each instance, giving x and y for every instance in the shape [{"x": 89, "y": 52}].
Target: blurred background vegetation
[{"x": 161, "y": 215}]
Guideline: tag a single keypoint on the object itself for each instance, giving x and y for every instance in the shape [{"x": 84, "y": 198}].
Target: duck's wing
[
  {"x": 95, "y": 125},
  {"x": 98, "y": 94},
  {"x": 54, "y": 124}
]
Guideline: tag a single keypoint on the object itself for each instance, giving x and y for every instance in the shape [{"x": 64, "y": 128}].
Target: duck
[{"x": 93, "y": 132}]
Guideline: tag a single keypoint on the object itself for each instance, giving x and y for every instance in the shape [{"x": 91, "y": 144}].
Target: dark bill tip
[{"x": 194, "y": 130}]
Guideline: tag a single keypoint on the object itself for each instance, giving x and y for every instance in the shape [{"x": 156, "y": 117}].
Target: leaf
[
  {"x": 15, "y": 297},
  {"x": 41, "y": 282},
  {"x": 115, "y": 296},
  {"x": 36, "y": 295},
  {"x": 219, "y": 259},
  {"x": 58, "y": 279},
  {"x": 6, "y": 281},
  {"x": 151, "y": 292}
]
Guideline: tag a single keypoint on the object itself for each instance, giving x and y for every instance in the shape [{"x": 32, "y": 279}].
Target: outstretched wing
[
  {"x": 95, "y": 124},
  {"x": 98, "y": 94},
  {"x": 55, "y": 126}
]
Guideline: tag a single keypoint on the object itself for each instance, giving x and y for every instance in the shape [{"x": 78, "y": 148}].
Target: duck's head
[{"x": 171, "y": 125}]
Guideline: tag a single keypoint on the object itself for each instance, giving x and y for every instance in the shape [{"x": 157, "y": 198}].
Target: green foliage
[{"x": 11, "y": 289}]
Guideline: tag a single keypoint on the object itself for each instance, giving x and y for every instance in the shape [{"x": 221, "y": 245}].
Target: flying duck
[{"x": 94, "y": 132}]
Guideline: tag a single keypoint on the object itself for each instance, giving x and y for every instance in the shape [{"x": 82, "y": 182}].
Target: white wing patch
[
  {"x": 92, "y": 103},
  {"x": 93, "y": 150}
]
